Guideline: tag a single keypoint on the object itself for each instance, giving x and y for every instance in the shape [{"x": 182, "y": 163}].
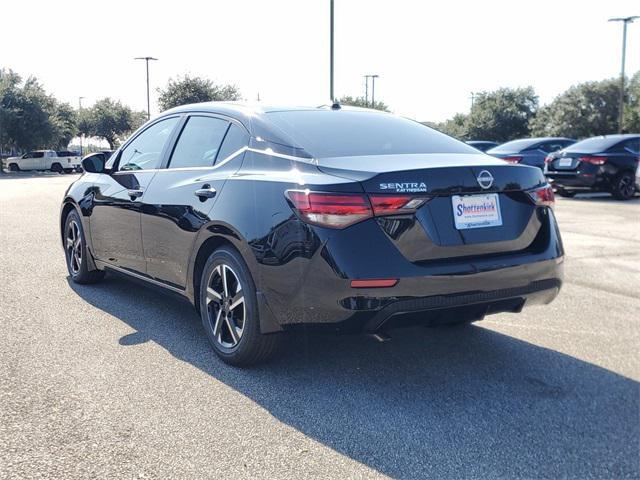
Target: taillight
[
  {"x": 340, "y": 210},
  {"x": 543, "y": 196},
  {"x": 513, "y": 159},
  {"x": 593, "y": 160}
]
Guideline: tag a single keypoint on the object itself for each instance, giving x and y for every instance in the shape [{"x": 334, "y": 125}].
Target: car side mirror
[{"x": 93, "y": 163}]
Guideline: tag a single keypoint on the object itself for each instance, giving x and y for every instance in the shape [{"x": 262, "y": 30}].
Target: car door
[
  {"x": 117, "y": 197},
  {"x": 176, "y": 205},
  {"x": 28, "y": 161}
]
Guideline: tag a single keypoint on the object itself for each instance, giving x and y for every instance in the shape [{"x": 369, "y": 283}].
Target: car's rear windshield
[
  {"x": 514, "y": 146},
  {"x": 347, "y": 133},
  {"x": 593, "y": 145}
]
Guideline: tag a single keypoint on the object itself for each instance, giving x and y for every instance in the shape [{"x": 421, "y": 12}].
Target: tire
[
  {"x": 233, "y": 331},
  {"x": 76, "y": 253},
  {"x": 68, "y": 170},
  {"x": 56, "y": 167},
  {"x": 624, "y": 186},
  {"x": 14, "y": 167},
  {"x": 566, "y": 193}
]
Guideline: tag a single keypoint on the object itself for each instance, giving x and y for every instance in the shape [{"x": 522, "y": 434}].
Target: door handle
[
  {"x": 135, "y": 193},
  {"x": 207, "y": 191}
]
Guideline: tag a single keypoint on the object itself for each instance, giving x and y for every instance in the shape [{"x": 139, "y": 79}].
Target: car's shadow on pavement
[
  {"x": 444, "y": 403},
  {"x": 600, "y": 198}
]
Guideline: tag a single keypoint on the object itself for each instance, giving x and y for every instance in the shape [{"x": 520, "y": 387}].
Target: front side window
[
  {"x": 199, "y": 142},
  {"x": 145, "y": 151}
]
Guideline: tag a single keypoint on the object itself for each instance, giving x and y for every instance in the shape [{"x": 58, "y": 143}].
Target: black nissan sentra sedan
[
  {"x": 597, "y": 164},
  {"x": 342, "y": 219}
]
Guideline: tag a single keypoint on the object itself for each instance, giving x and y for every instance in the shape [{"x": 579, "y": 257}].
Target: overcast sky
[{"x": 429, "y": 54}]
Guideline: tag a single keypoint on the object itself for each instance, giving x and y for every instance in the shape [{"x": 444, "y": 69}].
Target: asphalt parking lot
[{"x": 117, "y": 380}]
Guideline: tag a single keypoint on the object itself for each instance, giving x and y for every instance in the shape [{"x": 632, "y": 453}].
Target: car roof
[
  {"x": 616, "y": 136},
  {"x": 255, "y": 120},
  {"x": 247, "y": 110}
]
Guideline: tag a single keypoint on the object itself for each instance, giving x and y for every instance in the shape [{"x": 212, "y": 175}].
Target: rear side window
[
  {"x": 236, "y": 138},
  {"x": 633, "y": 145},
  {"x": 342, "y": 133},
  {"x": 549, "y": 147},
  {"x": 593, "y": 145},
  {"x": 199, "y": 142},
  {"x": 144, "y": 152}
]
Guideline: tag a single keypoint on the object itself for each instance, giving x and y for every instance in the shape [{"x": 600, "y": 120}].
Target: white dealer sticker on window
[{"x": 476, "y": 211}]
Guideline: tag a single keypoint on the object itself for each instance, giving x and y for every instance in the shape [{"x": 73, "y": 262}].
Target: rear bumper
[
  {"x": 586, "y": 177},
  {"x": 317, "y": 292}
]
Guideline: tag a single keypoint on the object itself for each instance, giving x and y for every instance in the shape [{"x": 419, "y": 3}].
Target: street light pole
[
  {"x": 373, "y": 90},
  {"x": 366, "y": 90},
  {"x": 624, "y": 21},
  {"x": 331, "y": 51},
  {"x": 79, "y": 111},
  {"x": 146, "y": 59}
]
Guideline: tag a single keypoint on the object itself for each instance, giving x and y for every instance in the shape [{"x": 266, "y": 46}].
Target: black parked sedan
[
  {"x": 529, "y": 151},
  {"x": 268, "y": 219},
  {"x": 482, "y": 145},
  {"x": 597, "y": 164}
]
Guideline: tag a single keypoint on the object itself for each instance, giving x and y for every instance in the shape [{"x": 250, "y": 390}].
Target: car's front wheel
[
  {"x": 624, "y": 186},
  {"x": 76, "y": 252},
  {"x": 229, "y": 310}
]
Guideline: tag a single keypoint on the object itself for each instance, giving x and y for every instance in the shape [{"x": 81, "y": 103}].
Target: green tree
[
  {"x": 501, "y": 115},
  {"x": 584, "y": 110},
  {"x": 108, "y": 119},
  {"x": 65, "y": 124},
  {"x": 31, "y": 118},
  {"x": 186, "y": 89},
  {"x": 455, "y": 126},
  {"x": 362, "y": 102}
]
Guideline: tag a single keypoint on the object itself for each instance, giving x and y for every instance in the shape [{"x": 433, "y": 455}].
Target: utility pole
[
  {"x": 79, "y": 111},
  {"x": 366, "y": 90},
  {"x": 331, "y": 52},
  {"x": 624, "y": 21},
  {"x": 146, "y": 59},
  {"x": 473, "y": 97},
  {"x": 373, "y": 90}
]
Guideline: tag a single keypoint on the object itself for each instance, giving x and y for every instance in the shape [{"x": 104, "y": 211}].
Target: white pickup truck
[{"x": 45, "y": 160}]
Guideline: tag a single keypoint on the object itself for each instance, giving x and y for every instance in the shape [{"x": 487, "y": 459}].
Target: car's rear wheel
[
  {"x": 566, "y": 193},
  {"x": 56, "y": 167},
  {"x": 76, "y": 253},
  {"x": 229, "y": 310},
  {"x": 624, "y": 186}
]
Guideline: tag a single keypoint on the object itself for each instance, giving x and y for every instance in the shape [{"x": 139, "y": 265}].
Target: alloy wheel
[
  {"x": 226, "y": 309},
  {"x": 626, "y": 186},
  {"x": 74, "y": 247}
]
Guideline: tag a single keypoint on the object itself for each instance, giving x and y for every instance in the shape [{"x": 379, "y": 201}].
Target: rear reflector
[
  {"x": 378, "y": 283},
  {"x": 340, "y": 210},
  {"x": 543, "y": 196},
  {"x": 513, "y": 159},
  {"x": 593, "y": 160},
  {"x": 395, "y": 204}
]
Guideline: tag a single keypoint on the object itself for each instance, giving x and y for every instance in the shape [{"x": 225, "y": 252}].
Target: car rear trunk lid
[{"x": 450, "y": 180}]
